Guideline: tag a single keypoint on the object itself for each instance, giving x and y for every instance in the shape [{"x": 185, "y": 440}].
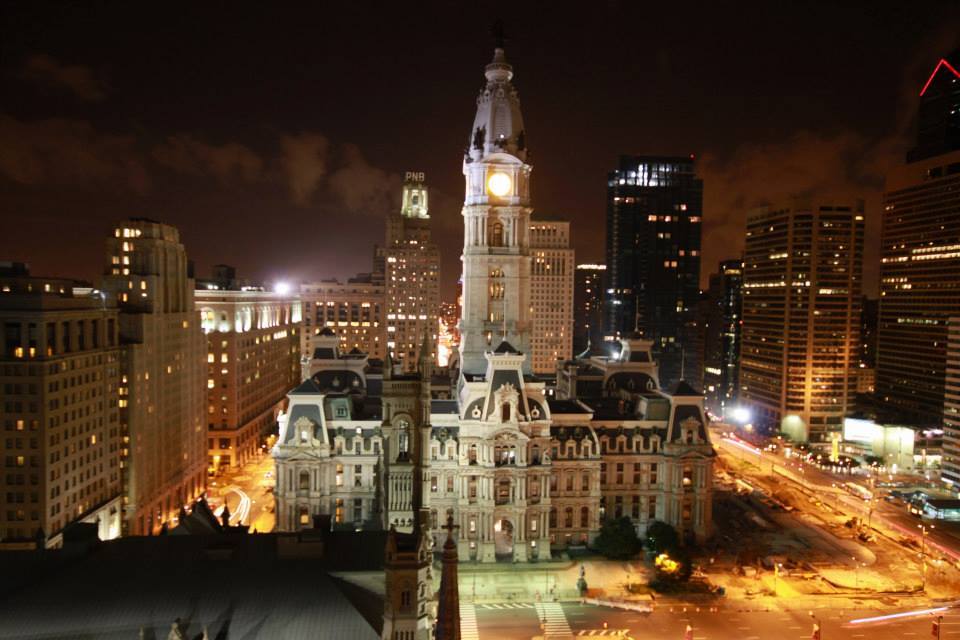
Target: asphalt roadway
[
  {"x": 520, "y": 621},
  {"x": 892, "y": 516}
]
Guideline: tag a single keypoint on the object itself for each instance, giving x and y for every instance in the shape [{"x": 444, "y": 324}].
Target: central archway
[{"x": 503, "y": 539}]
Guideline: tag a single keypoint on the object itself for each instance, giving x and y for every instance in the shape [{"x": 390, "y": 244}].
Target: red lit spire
[{"x": 943, "y": 63}]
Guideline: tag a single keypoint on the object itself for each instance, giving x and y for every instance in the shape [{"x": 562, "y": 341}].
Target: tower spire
[
  {"x": 497, "y": 31},
  {"x": 448, "y": 605}
]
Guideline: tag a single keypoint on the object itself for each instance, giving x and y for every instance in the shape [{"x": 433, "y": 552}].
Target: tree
[
  {"x": 618, "y": 539},
  {"x": 661, "y": 537}
]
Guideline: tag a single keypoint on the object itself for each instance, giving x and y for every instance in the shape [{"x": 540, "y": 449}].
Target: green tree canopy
[
  {"x": 662, "y": 537},
  {"x": 618, "y": 539}
]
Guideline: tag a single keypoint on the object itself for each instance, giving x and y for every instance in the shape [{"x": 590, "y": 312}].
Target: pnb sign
[{"x": 415, "y": 176}]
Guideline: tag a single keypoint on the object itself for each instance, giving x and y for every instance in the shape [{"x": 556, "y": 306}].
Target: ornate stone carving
[{"x": 507, "y": 395}]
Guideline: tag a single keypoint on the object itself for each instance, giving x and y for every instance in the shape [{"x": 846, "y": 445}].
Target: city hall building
[{"x": 522, "y": 472}]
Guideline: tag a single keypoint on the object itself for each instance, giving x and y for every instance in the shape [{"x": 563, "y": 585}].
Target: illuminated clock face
[{"x": 499, "y": 184}]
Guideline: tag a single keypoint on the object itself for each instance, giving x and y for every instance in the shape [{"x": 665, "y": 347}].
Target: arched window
[
  {"x": 505, "y": 411},
  {"x": 584, "y": 517},
  {"x": 496, "y": 238},
  {"x": 403, "y": 439},
  {"x": 472, "y": 454},
  {"x": 553, "y": 517},
  {"x": 305, "y": 480},
  {"x": 568, "y": 518}
]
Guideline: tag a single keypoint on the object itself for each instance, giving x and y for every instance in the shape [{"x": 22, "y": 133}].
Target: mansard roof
[
  {"x": 506, "y": 347},
  {"x": 308, "y": 386},
  {"x": 682, "y": 388},
  {"x": 443, "y": 406},
  {"x": 567, "y": 406}
]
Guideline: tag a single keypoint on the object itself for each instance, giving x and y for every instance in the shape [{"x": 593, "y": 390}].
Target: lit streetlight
[{"x": 924, "y": 532}]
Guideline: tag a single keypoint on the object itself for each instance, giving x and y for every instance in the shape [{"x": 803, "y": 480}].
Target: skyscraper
[
  {"x": 162, "y": 408},
  {"x": 588, "y": 286},
  {"x": 496, "y": 212},
  {"x": 60, "y": 376},
  {"x": 801, "y": 315},
  {"x": 722, "y": 330},
  {"x": 551, "y": 294},
  {"x": 253, "y": 359},
  {"x": 654, "y": 208},
  {"x": 353, "y": 311},
  {"x": 950, "y": 466},
  {"x": 938, "y": 118},
  {"x": 411, "y": 274},
  {"x": 920, "y": 259}
]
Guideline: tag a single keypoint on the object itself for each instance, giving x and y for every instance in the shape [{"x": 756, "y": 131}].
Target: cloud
[
  {"x": 304, "y": 160},
  {"x": 362, "y": 188},
  {"x": 185, "y": 154},
  {"x": 78, "y": 79},
  {"x": 64, "y": 152},
  {"x": 839, "y": 166}
]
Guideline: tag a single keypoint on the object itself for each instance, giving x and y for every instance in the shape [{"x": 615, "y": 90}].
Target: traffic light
[
  {"x": 935, "y": 630},
  {"x": 688, "y": 633},
  {"x": 816, "y": 631}
]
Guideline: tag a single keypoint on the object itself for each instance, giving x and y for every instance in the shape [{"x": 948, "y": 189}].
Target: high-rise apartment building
[
  {"x": 950, "y": 462},
  {"x": 60, "y": 375},
  {"x": 588, "y": 287},
  {"x": 162, "y": 405},
  {"x": 411, "y": 269},
  {"x": 801, "y": 315},
  {"x": 551, "y": 294},
  {"x": 253, "y": 360},
  {"x": 354, "y": 311},
  {"x": 721, "y": 326},
  {"x": 920, "y": 258},
  {"x": 654, "y": 208}
]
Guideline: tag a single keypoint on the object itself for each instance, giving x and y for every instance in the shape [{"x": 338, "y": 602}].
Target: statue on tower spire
[{"x": 498, "y": 36}]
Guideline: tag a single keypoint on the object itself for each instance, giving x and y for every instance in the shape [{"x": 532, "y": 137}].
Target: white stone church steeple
[{"x": 496, "y": 215}]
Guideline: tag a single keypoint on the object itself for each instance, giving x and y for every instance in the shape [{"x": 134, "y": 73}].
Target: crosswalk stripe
[
  {"x": 554, "y": 621},
  {"x": 468, "y": 622},
  {"x": 509, "y": 605}
]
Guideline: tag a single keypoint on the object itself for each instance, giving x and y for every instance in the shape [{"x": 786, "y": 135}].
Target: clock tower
[{"x": 496, "y": 216}]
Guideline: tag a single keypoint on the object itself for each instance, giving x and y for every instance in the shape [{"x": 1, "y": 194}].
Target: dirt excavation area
[{"x": 777, "y": 539}]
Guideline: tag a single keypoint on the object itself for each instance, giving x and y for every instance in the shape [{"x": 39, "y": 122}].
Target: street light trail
[
  {"x": 811, "y": 483},
  {"x": 243, "y": 508},
  {"x": 894, "y": 616},
  {"x": 743, "y": 446}
]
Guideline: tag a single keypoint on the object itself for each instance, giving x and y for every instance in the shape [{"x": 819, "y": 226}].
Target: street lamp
[{"x": 924, "y": 531}]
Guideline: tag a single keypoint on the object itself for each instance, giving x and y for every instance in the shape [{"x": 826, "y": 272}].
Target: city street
[
  {"x": 893, "y": 517},
  {"x": 248, "y": 493},
  {"x": 518, "y": 621}
]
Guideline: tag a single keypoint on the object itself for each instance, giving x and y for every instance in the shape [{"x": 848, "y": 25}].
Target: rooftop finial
[{"x": 497, "y": 30}]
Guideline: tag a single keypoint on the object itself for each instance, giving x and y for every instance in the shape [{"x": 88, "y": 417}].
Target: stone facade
[{"x": 520, "y": 473}]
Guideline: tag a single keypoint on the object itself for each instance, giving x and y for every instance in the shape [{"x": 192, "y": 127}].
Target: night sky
[{"x": 275, "y": 138}]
